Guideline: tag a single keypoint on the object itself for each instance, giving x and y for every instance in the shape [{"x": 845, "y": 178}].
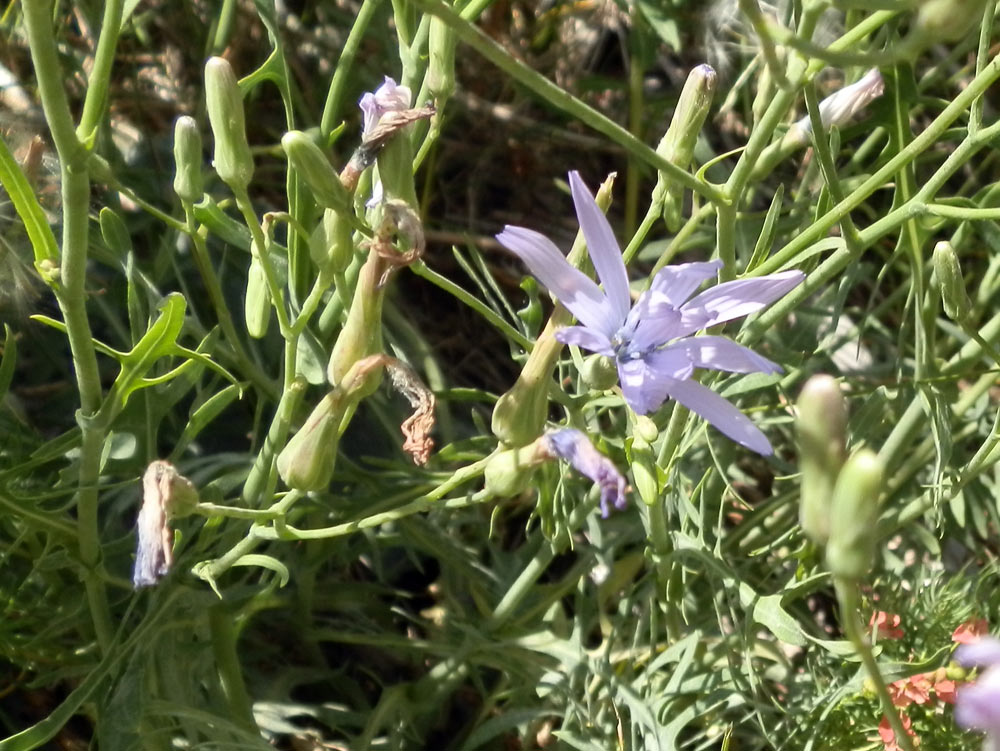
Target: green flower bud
[
  {"x": 362, "y": 332},
  {"x": 677, "y": 145},
  {"x": 187, "y": 160},
  {"x": 307, "y": 461},
  {"x": 599, "y": 372},
  {"x": 645, "y": 428},
  {"x": 947, "y": 20},
  {"x": 853, "y": 516},
  {"x": 257, "y": 308},
  {"x": 519, "y": 415},
  {"x": 821, "y": 428},
  {"x": 339, "y": 236},
  {"x": 645, "y": 473},
  {"x": 508, "y": 473},
  {"x": 311, "y": 163},
  {"x": 233, "y": 161},
  {"x": 948, "y": 279}
]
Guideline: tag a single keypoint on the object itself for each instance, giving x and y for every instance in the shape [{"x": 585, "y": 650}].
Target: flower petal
[
  {"x": 978, "y": 704},
  {"x": 571, "y": 286},
  {"x": 730, "y": 300},
  {"x": 645, "y": 381},
  {"x": 986, "y": 651},
  {"x": 719, "y": 353},
  {"x": 720, "y": 413},
  {"x": 673, "y": 285},
  {"x": 589, "y": 339},
  {"x": 573, "y": 446},
  {"x": 602, "y": 246}
]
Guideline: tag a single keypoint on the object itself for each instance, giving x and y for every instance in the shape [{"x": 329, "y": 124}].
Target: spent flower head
[
  {"x": 389, "y": 97},
  {"x": 652, "y": 342}
]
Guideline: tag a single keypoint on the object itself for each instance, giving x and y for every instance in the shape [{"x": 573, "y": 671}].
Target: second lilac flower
[{"x": 652, "y": 342}]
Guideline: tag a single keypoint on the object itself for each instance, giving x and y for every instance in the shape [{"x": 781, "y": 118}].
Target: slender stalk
[
  {"x": 227, "y": 660},
  {"x": 847, "y": 595},
  {"x": 71, "y": 294},
  {"x": 345, "y": 65}
]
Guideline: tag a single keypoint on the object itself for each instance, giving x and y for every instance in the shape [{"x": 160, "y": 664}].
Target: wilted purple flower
[
  {"x": 573, "y": 446},
  {"x": 652, "y": 341},
  {"x": 977, "y": 706},
  {"x": 389, "y": 97}
]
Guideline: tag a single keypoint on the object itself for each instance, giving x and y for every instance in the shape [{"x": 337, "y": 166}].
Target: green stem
[
  {"x": 557, "y": 97},
  {"x": 71, "y": 296},
  {"x": 345, "y": 65},
  {"x": 96, "y": 100},
  {"x": 227, "y": 660},
  {"x": 847, "y": 595}
]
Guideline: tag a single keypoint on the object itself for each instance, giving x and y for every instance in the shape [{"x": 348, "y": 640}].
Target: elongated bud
[
  {"x": 339, "y": 236},
  {"x": 311, "y": 163},
  {"x": 257, "y": 308},
  {"x": 519, "y": 415},
  {"x": 645, "y": 473},
  {"x": 948, "y": 279},
  {"x": 362, "y": 332},
  {"x": 508, "y": 473},
  {"x": 187, "y": 160},
  {"x": 677, "y": 145},
  {"x": 821, "y": 428},
  {"x": 441, "y": 64},
  {"x": 840, "y": 107},
  {"x": 853, "y": 516},
  {"x": 307, "y": 461},
  {"x": 233, "y": 161}
]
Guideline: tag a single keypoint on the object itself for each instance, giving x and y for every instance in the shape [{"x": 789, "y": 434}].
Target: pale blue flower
[
  {"x": 652, "y": 342},
  {"x": 977, "y": 706},
  {"x": 573, "y": 446}
]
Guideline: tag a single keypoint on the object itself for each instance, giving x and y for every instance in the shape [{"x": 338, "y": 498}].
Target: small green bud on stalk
[
  {"x": 187, "y": 160},
  {"x": 257, "y": 308},
  {"x": 311, "y": 163},
  {"x": 599, "y": 372},
  {"x": 307, "y": 461},
  {"x": 946, "y": 20},
  {"x": 233, "y": 161},
  {"x": 948, "y": 279},
  {"x": 508, "y": 473},
  {"x": 645, "y": 473},
  {"x": 821, "y": 428},
  {"x": 853, "y": 516},
  {"x": 677, "y": 145}
]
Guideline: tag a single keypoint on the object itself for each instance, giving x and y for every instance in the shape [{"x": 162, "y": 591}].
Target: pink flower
[
  {"x": 889, "y": 737},
  {"x": 946, "y": 691},
  {"x": 970, "y": 631},
  {"x": 885, "y": 625}
]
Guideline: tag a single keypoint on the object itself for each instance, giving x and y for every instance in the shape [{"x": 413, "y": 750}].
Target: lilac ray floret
[
  {"x": 574, "y": 447},
  {"x": 652, "y": 341},
  {"x": 977, "y": 705}
]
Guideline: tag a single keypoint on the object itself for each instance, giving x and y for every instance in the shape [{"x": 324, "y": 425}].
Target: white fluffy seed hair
[{"x": 727, "y": 34}]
